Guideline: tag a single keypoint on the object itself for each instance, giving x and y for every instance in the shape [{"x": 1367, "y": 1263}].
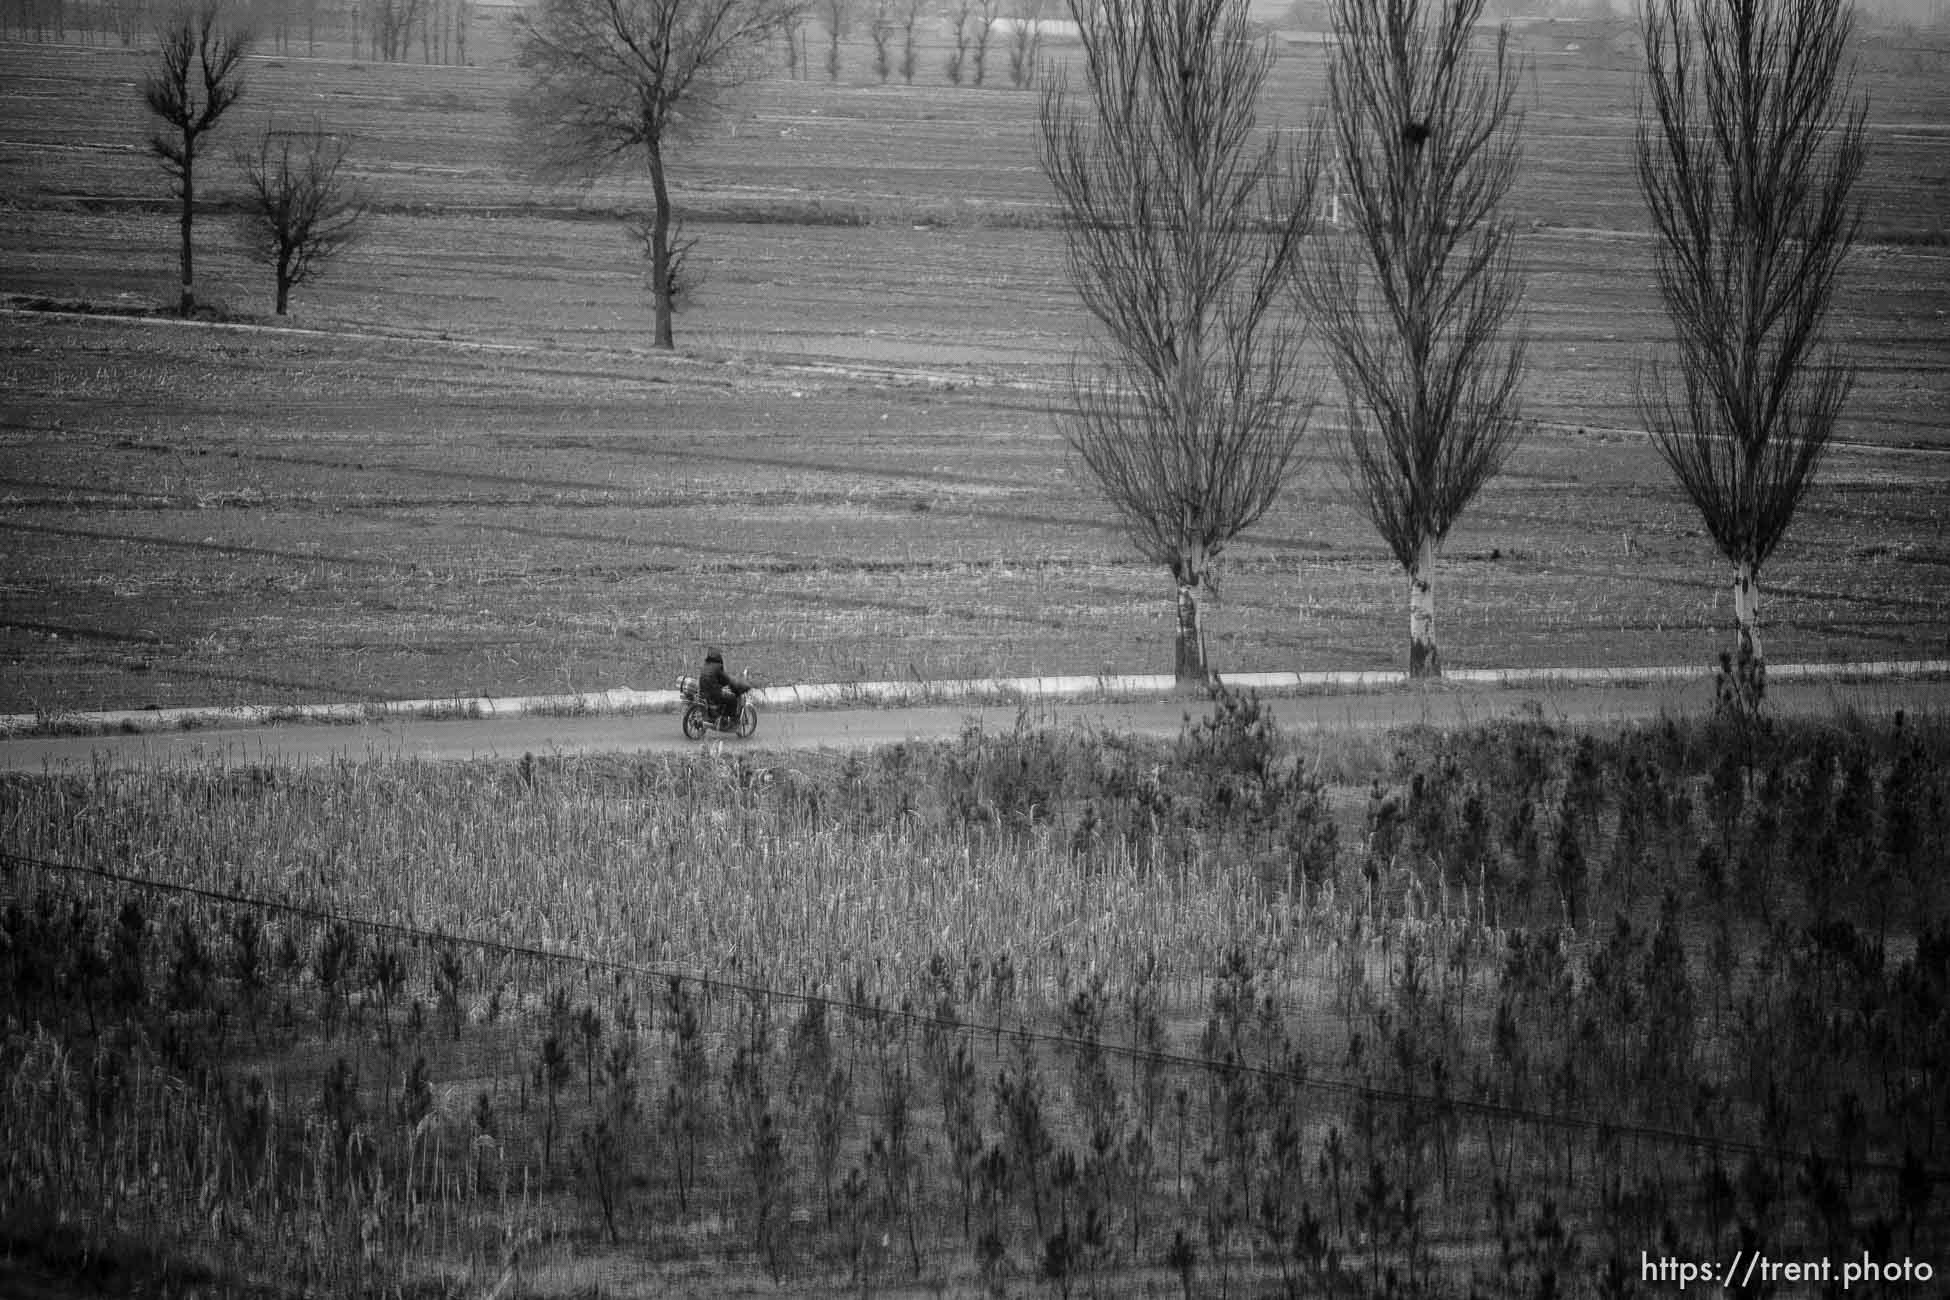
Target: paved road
[{"x": 860, "y": 728}]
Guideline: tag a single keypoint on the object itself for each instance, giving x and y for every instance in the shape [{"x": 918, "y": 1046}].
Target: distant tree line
[
  {"x": 399, "y": 31},
  {"x": 974, "y": 30}
]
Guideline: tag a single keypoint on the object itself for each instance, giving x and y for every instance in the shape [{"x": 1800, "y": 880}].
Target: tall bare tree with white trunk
[
  {"x": 1418, "y": 297},
  {"x": 1749, "y": 148},
  {"x": 1183, "y": 220},
  {"x": 199, "y": 75},
  {"x": 609, "y": 81}
]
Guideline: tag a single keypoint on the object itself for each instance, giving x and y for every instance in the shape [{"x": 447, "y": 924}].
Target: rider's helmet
[{"x": 712, "y": 656}]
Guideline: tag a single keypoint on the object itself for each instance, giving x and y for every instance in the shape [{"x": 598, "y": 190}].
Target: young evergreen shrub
[{"x": 1238, "y": 739}]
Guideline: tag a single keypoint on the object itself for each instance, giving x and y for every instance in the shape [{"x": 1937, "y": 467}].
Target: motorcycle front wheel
[
  {"x": 747, "y": 722},
  {"x": 694, "y": 723}
]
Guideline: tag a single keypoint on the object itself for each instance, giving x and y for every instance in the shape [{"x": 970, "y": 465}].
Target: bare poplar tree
[
  {"x": 958, "y": 13},
  {"x": 609, "y": 78},
  {"x": 880, "y": 29},
  {"x": 910, "y": 18},
  {"x": 394, "y": 27},
  {"x": 793, "y": 28},
  {"x": 838, "y": 15},
  {"x": 300, "y": 209},
  {"x": 987, "y": 14},
  {"x": 1183, "y": 222},
  {"x": 199, "y": 75},
  {"x": 1748, "y": 153},
  {"x": 1418, "y": 297},
  {"x": 1025, "y": 42}
]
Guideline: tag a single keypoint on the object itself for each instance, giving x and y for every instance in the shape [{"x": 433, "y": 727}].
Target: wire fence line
[
  {"x": 280, "y": 1089},
  {"x": 910, "y": 1018}
]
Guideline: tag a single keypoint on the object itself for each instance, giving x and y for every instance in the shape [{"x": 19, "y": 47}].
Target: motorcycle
[{"x": 700, "y": 715}]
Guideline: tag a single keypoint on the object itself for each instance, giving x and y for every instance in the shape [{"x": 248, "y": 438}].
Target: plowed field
[{"x": 458, "y": 467}]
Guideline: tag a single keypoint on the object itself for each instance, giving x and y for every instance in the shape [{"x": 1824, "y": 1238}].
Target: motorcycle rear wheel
[{"x": 694, "y": 722}]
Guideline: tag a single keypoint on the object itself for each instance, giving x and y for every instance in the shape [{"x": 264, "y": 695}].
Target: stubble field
[{"x": 458, "y": 468}]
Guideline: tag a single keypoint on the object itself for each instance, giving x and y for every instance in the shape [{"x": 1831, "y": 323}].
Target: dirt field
[{"x": 458, "y": 466}]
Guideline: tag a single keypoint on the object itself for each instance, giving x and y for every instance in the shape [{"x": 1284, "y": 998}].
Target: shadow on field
[
  {"x": 75, "y": 632},
  {"x": 216, "y": 548}
]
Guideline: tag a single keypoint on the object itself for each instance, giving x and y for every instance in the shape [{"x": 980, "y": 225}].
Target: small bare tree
[
  {"x": 198, "y": 77},
  {"x": 986, "y": 14},
  {"x": 300, "y": 209},
  {"x": 793, "y": 28},
  {"x": 1418, "y": 299},
  {"x": 838, "y": 15},
  {"x": 1748, "y": 153},
  {"x": 1025, "y": 42},
  {"x": 880, "y": 29},
  {"x": 607, "y": 78},
  {"x": 959, "y": 12},
  {"x": 910, "y": 19},
  {"x": 398, "y": 20},
  {"x": 1183, "y": 222}
]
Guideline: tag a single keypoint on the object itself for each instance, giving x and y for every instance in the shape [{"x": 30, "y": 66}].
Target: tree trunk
[
  {"x": 1746, "y": 612},
  {"x": 1424, "y": 660},
  {"x": 186, "y": 303},
  {"x": 660, "y": 246},
  {"x": 284, "y": 288},
  {"x": 1747, "y": 683},
  {"x": 1191, "y": 663}
]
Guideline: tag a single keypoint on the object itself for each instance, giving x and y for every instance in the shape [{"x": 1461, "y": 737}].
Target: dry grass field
[
  {"x": 1036, "y": 1011},
  {"x": 458, "y": 468}
]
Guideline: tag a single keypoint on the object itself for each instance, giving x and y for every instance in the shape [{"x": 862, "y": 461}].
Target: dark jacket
[{"x": 717, "y": 686}]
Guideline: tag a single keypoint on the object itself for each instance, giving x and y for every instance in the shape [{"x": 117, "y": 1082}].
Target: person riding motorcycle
[{"x": 718, "y": 688}]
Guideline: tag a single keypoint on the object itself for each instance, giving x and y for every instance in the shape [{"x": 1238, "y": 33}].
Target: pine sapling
[
  {"x": 1020, "y": 1115},
  {"x": 684, "y": 1116},
  {"x": 960, "y": 1122},
  {"x": 449, "y": 979},
  {"x": 554, "y": 1069}
]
